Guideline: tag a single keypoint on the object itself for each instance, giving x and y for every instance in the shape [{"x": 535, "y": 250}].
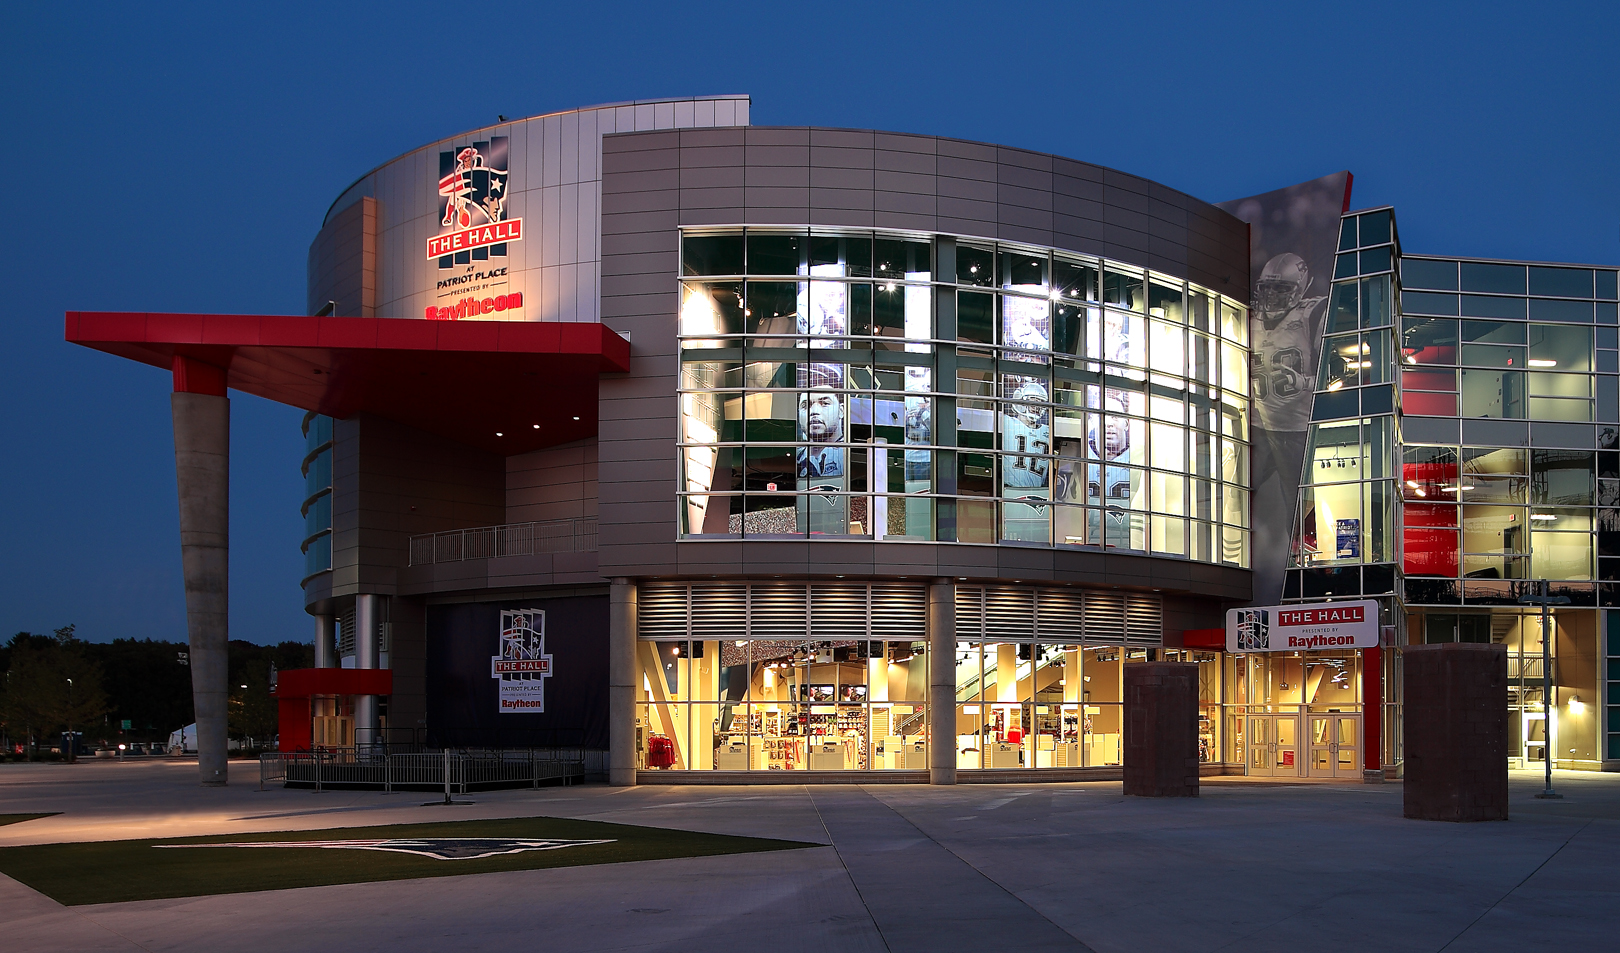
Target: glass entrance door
[
  {"x": 1335, "y": 740},
  {"x": 1274, "y": 745}
]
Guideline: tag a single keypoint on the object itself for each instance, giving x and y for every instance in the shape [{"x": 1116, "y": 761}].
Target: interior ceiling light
[
  {"x": 1543, "y": 516},
  {"x": 499, "y": 434},
  {"x": 576, "y": 418},
  {"x": 537, "y": 426},
  {"x": 1541, "y": 362}
]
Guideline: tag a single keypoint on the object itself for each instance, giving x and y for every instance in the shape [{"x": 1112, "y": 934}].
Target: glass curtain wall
[
  {"x": 781, "y": 705},
  {"x": 1344, "y": 542},
  {"x": 1520, "y": 362},
  {"x": 898, "y": 387}
]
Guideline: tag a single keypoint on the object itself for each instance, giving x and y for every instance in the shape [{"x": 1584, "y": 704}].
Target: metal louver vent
[
  {"x": 838, "y": 611},
  {"x": 835, "y": 612},
  {"x": 969, "y": 613},
  {"x": 1009, "y": 613},
  {"x": 777, "y": 611},
  {"x": 1061, "y": 613},
  {"x": 1143, "y": 619},
  {"x": 899, "y": 612},
  {"x": 992, "y": 613},
  {"x": 718, "y": 611},
  {"x": 346, "y": 632},
  {"x": 1105, "y": 617},
  {"x": 661, "y": 611}
]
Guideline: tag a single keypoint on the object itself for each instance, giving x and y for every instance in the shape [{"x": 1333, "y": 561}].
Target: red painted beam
[
  {"x": 504, "y": 387},
  {"x": 304, "y": 682}
]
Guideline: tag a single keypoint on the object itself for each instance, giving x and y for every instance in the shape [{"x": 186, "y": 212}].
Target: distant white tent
[{"x": 183, "y": 740}]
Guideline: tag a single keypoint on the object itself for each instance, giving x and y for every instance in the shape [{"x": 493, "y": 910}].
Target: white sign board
[
  {"x": 523, "y": 666},
  {"x": 1303, "y": 628}
]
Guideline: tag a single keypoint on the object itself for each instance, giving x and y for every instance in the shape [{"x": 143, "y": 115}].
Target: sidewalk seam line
[
  {"x": 840, "y": 855},
  {"x": 1514, "y": 889}
]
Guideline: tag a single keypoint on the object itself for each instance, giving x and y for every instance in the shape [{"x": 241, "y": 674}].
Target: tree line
[{"x": 51, "y": 682}]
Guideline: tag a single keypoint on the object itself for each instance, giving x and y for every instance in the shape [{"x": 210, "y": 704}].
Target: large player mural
[{"x": 1292, "y": 239}]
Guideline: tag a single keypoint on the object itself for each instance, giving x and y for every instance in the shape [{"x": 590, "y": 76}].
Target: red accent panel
[
  {"x": 1349, "y": 180},
  {"x": 1429, "y": 405},
  {"x": 464, "y": 380},
  {"x": 295, "y": 730},
  {"x": 1203, "y": 638},
  {"x": 1372, "y": 709},
  {"x": 304, "y": 682},
  {"x": 192, "y": 376}
]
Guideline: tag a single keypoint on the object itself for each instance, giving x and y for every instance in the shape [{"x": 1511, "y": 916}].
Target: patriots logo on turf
[{"x": 438, "y": 848}]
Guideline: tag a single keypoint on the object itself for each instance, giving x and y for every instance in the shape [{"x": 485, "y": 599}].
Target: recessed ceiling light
[
  {"x": 576, "y": 418},
  {"x": 537, "y": 426},
  {"x": 499, "y": 434}
]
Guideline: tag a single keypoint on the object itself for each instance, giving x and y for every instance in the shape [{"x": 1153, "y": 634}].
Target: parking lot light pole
[
  {"x": 1544, "y": 600},
  {"x": 73, "y": 749}
]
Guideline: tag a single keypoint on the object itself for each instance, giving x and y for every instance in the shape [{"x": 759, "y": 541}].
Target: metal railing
[
  {"x": 512, "y": 539},
  {"x": 468, "y": 770}
]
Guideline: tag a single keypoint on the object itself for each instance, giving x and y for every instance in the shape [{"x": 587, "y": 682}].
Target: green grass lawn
[
  {"x": 19, "y": 818},
  {"x": 114, "y": 871}
]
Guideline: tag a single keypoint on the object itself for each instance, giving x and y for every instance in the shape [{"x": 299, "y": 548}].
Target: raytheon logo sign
[
  {"x": 523, "y": 666},
  {"x": 474, "y": 231},
  {"x": 1303, "y": 628}
]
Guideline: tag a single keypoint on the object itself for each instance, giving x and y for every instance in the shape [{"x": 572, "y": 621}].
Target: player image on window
[
  {"x": 1026, "y": 323},
  {"x": 919, "y": 427},
  {"x": 821, "y": 422},
  {"x": 1026, "y": 466},
  {"x": 819, "y": 459},
  {"x": 1026, "y": 435},
  {"x": 826, "y": 312}
]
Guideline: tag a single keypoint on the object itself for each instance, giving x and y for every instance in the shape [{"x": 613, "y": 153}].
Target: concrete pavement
[{"x": 1250, "y": 866}]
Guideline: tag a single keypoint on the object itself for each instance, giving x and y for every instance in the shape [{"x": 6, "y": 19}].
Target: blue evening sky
[{"x": 179, "y": 157}]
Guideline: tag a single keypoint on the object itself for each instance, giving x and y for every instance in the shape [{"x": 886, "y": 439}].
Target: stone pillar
[
  {"x": 1161, "y": 729},
  {"x": 622, "y": 682},
  {"x": 325, "y": 650},
  {"x": 365, "y": 656},
  {"x": 942, "y": 681},
  {"x": 202, "y": 454},
  {"x": 1456, "y": 732}
]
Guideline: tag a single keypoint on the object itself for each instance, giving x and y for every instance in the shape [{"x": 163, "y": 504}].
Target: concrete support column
[
  {"x": 622, "y": 682},
  {"x": 325, "y": 649},
  {"x": 365, "y": 656},
  {"x": 942, "y": 681},
  {"x": 202, "y": 453}
]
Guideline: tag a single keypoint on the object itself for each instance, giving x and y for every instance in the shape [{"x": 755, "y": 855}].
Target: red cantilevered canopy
[{"x": 507, "y": 387}]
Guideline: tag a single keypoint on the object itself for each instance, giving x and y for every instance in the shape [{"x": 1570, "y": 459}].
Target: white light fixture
[
  {"x": 1547, "y": 517},
  {"x": 499, "y": 434},
  {"x": 1540, "y": 362},
  {"x": 576, "y": 418},
  {"x": 1576, "y": 706},
  {"x": 537, "y": 426}
]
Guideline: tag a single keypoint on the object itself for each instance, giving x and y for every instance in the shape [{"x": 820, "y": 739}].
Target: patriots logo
[
  {"x": 472, "y": 186},
  {"x": 437, "y": 848}
]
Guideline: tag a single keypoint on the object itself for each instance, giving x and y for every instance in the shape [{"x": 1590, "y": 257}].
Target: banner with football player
[{"x": 1293, "y": 235}]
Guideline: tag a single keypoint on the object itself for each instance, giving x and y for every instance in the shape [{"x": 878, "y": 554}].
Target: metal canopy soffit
[{"x": 487, "y": 384}]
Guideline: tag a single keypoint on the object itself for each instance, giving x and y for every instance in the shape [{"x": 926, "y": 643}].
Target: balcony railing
[{"x": 512, "y": 539}]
